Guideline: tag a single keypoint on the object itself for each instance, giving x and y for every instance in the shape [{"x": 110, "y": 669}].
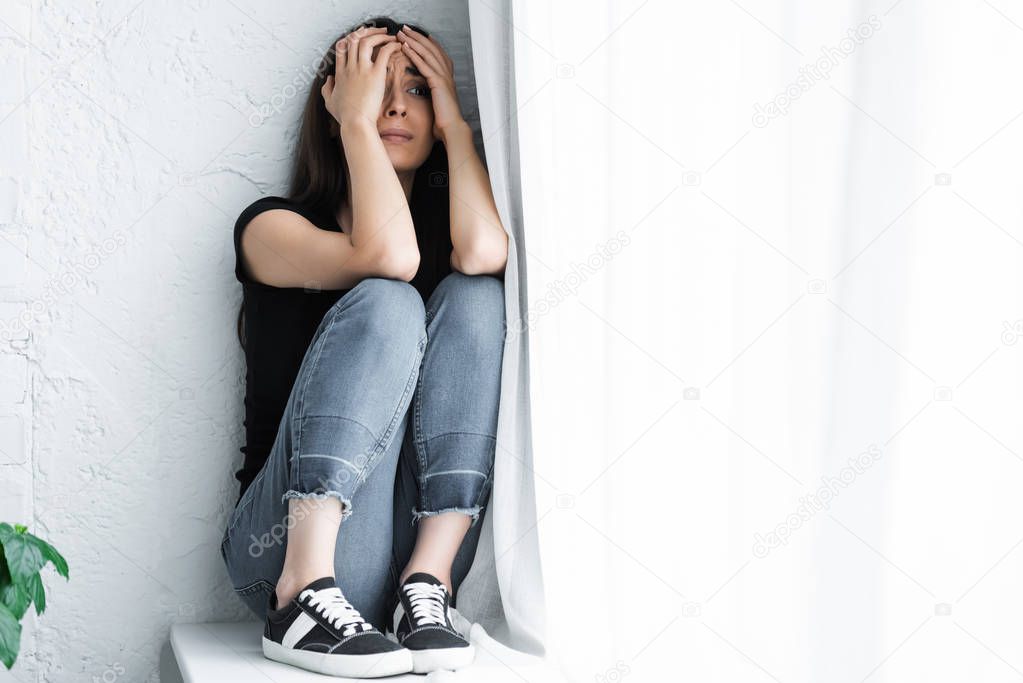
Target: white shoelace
[
  {"x": 332, "y": 605},
  {"x": 427, "y": 602}
]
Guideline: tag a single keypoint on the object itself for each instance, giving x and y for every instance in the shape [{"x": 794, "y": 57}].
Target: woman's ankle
[
  {"x": 289, "y": 585},
  {"x": 443, "y": 577}
]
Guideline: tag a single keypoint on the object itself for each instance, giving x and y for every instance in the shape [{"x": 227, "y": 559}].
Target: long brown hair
[{"x": 320, "y": 170}]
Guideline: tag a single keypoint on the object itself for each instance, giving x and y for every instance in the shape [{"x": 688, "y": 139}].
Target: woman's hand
[
  {"x": 356, "y": 89},
  {"x": 434, "y": 63}
]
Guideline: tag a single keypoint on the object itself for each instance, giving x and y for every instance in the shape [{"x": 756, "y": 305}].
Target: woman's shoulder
[
  {"x": 271, "y": 202},
  {"x": 257, "y": 207},
  {"x": 264, "y": 204}
]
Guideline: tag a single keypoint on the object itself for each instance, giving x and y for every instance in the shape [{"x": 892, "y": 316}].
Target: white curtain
[
  {"x": 502, "y": 597},
  {"x": 773, "y": 256}
]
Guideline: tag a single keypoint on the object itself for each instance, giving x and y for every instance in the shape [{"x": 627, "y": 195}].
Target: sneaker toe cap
[
  {"x": 430, "y": 639},
  {"x": 370, "y": 643}
]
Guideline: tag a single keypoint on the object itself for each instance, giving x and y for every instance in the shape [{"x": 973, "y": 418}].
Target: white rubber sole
[
  {"x": 351, "y": 666},
  {"x": 425, "y": 661}
]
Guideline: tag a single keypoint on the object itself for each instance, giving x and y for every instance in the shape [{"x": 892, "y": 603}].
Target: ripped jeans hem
[
  {"x": 473, "y": 512},
  {"x": 346, "y": 502}
]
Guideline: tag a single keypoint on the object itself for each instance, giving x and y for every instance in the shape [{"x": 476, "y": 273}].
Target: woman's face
[{"x": 406, "y": 109}]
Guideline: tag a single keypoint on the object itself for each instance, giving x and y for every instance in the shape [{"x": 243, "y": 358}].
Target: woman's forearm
[
  {"x": 479, "y": 240},
  {"x": 381, "y": 220}
]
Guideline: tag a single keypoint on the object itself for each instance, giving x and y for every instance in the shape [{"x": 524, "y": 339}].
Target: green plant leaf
[
  {"x": 10, "y": 637},
  {"x": 50, "y": 553},
  {"x": 23, "y": 557},
  {"x": 36, "y": 591},
  {"x": 5, "y": 575},
  {"x": 20, "y": 528},
  {"x": 16, "y": 598}
]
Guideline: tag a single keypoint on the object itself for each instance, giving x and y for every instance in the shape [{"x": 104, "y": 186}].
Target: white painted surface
[
  {"x": 16, "y": 503},
  {"x": 127, "y": 149},
  {"x": 232, "y": 653}
]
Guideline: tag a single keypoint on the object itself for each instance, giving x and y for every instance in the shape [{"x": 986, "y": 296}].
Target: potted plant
[{"x": 22, "y": 556}]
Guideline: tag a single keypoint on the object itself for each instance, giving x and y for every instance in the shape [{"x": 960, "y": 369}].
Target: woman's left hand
[{"x": 438, "y": 69}]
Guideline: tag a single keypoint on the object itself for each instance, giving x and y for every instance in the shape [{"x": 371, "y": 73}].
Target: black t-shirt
[{"x": 279, "y": 324}]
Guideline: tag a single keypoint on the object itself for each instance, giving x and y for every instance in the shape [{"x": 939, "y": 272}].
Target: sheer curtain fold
[
  {"x": 504, "y": 590},
  {"x": 771, "y": 249}
]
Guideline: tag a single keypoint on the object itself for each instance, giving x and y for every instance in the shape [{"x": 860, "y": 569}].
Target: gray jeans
[{"x": 394, "y": 413}]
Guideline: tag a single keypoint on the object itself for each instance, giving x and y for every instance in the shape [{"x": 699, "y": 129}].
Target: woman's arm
[
  {"x": 283, "y": 249},
  {"x": 382, "y": 227},
  {"x": 381, "y": 221},
  {"x": 479, "y": 240}
]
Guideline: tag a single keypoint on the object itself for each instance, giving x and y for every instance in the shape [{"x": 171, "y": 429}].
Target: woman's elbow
[
  {"x": 483, "y": 259},
  {"x": 398, "y": 265},
  {"x": 481, "y": 263}
]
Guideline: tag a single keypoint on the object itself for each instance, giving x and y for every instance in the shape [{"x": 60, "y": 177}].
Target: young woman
[{"x": 373, "y": 320}]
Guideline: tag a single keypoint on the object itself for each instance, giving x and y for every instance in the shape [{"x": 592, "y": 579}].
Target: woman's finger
[
  {"x": 355, "y": 40},
  {"x": 367, "y": 45},
  {"x": 447, "y": 58},
  {"x": 430, "y": 49},
  {"x": 351, "y": 52},
  {"x": 424, "y": 67},
  {"x": 340, "y": 56},
  {"x": 384, "y": 55},
  {"x": 327, "y": 88},
  {"x": 438, "y": 49},
  {"x": 352, "y": 41},
  {"x": 426, "y": 58}
]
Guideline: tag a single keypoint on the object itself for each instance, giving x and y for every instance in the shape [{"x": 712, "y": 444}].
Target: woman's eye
[{"x": 420, "y": 90}]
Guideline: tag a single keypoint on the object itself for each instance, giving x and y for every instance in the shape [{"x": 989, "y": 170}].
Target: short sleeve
[
  {"x": 250, "y": 212},
  {"x": 444, "y": 249}
]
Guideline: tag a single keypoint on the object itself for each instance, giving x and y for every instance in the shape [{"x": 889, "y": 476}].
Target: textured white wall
[{"x": 131, "y": 135}]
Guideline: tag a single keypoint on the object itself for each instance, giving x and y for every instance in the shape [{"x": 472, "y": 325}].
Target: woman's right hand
[{"x": 356, "y": 89}]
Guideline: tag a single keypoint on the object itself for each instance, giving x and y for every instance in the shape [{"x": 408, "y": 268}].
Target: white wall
[
  {"x": 132, "y": 134},
  {"x": 15, "y": 398}
]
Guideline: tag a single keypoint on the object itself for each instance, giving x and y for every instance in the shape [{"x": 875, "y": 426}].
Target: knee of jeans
[
  {"x": 478, "y": 300},
  {"x": 476, "y": 291},
  {"x": 391, "y": 308}
]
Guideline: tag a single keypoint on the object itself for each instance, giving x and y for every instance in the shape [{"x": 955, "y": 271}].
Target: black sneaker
[
  {"x": 320, "y": 631},
  {"x": 422, "y": 623}
]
